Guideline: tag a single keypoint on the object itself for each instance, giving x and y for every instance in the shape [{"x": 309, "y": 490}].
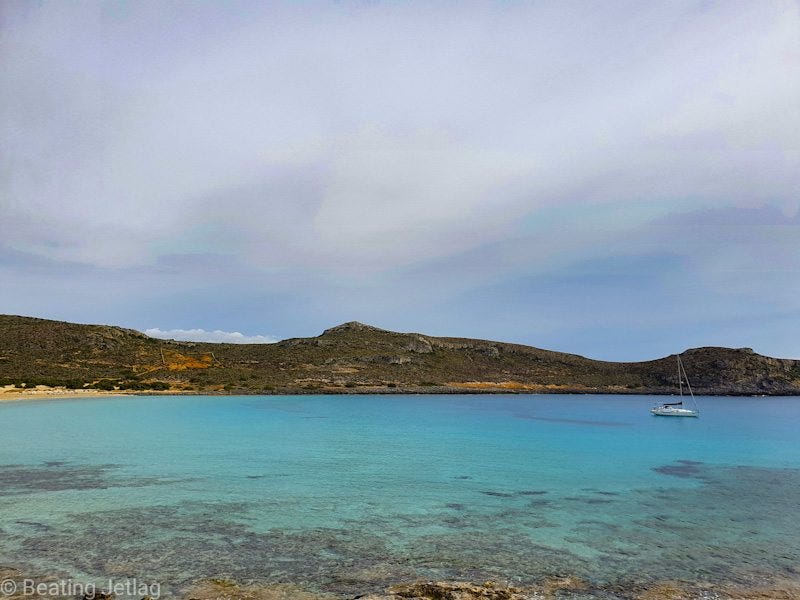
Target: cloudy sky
[{"x": 615, "y": 179}]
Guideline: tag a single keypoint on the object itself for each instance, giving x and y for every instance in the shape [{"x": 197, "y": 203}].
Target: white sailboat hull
[{"x": 671, "y": 411}]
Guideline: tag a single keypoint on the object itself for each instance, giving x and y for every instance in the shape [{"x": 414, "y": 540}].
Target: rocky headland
[{"x": 61, "y": 358}]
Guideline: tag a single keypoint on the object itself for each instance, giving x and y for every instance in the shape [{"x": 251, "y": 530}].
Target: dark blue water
[{"x": 349, "y": 493}]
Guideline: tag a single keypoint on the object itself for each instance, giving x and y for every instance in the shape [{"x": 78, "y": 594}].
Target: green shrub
[{"x": 106, "y": 385}]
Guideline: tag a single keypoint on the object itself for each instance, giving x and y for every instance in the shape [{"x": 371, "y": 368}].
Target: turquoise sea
[{"x": 348, "y": 494}]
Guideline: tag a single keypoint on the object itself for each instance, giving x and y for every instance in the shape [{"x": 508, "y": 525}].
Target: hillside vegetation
[{"x": 357, "y": 358}]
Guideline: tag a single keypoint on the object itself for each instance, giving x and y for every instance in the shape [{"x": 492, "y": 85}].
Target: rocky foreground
[
  {"x": 557, "y": 588},
  {"x": 356, "y": 358}
]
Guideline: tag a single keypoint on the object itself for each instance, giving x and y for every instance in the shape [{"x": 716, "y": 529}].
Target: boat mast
[
  {"x": 680, "y": 376},
  {"x": 688, "y": 385}
]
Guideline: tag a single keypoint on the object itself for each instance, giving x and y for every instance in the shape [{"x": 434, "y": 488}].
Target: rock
[
  {"x": 451, "y": 345},
  {"x": 387, "y": 359},
  {"x": 222, "y": 589},
  {"x": 445, "y": 590},
  {"x": 351, "y": 326},
  {"x": 419, "y": 345},
  {"x": 491, "y": 351},
  {"x": 553, "y": 585}
]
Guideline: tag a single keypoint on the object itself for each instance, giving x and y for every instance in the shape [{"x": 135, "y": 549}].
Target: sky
[{"x": 615, "y": 179}]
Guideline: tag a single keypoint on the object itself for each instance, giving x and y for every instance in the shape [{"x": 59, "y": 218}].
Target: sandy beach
[{"x": 43, "y": 392}]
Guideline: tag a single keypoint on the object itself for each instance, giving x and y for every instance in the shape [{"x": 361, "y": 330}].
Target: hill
[{"x": 357, "y": 358}]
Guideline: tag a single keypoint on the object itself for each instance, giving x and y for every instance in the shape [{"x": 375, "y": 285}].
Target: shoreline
[
  {"x": 10, "y": 393},
  {"x": 554, "y": 587},
  {"x": 44, "y": 393}
]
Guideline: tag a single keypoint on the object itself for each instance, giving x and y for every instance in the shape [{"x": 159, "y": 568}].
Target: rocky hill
[{"x": 357, "y": 358}]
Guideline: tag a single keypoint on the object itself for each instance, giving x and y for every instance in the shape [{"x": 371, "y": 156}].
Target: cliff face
[{"x": 353, "y": 358}]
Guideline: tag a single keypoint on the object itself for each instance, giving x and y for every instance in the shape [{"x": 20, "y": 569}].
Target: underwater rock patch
[
  {"x": 683, "y": 469},
  {"x": 57, "y": 476},
  {"x": 53, "y": 476}
]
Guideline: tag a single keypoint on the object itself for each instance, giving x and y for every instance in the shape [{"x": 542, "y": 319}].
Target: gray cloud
[
  {"x": 361, "y": 158},
  {"x": 422, "y": 124}
]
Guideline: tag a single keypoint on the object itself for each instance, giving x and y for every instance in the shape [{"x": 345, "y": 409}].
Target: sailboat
[{"x": 676, "y": 409}]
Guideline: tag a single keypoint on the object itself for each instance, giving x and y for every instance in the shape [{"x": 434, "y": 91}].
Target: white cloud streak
[{"x": 201, "y": 335}]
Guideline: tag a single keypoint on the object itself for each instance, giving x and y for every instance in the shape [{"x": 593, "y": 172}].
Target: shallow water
[{"x": 350, "y": 493}]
